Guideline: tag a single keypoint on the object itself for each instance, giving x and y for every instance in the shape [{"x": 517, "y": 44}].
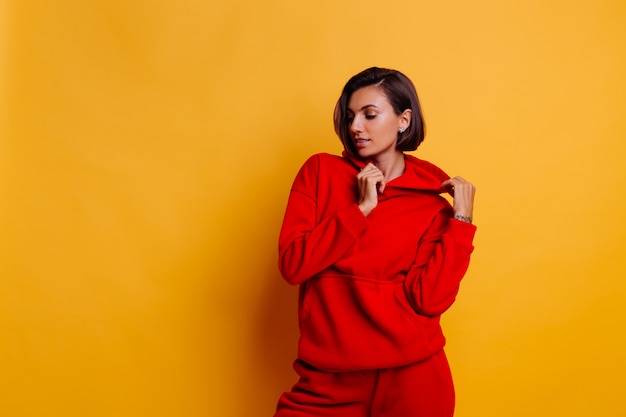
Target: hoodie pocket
[
  {"x": 307, "y": 292},
  {"x": 403, "y": 303},
  {"x": 351, "y": 310}
]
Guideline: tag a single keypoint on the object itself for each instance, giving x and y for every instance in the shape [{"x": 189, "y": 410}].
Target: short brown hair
[{"x": 400, "y": 92}]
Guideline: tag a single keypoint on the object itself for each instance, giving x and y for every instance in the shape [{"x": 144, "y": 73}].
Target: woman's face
[{"x": 373, "y": 123}]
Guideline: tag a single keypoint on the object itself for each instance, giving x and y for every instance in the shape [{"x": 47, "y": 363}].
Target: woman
[{"x": 379, "y": 256}]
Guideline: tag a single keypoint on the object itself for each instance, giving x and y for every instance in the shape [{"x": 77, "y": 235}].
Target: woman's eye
[{"x": 370, "y": 116}]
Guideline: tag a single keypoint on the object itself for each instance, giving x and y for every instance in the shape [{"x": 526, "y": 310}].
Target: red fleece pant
[{"x": 422, "y": 389}]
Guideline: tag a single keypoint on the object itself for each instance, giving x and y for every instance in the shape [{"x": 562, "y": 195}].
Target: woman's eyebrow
[{"x": 365, "y": 107}]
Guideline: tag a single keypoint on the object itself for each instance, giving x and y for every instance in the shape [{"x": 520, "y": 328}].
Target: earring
[{"x": 402, "y": 130}]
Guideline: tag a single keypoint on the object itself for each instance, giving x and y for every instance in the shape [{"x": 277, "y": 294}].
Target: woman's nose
[{"x": 356, "y": 125}]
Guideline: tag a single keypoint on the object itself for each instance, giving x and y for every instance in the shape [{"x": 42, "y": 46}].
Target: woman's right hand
[{"x": 370, "y": 180}]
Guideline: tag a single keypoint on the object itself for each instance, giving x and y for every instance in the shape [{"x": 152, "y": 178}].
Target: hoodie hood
[{"x": 419, "y": 175}]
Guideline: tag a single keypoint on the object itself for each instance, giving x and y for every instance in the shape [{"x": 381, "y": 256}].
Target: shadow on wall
[
  {"x": 277, "y": 334},
  {"x": 276, "y": 323}
]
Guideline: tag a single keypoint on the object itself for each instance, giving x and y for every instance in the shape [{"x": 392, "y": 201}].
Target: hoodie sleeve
[
  {"x": 307, "y": 246},
  {"x": 441, "y": 261}
]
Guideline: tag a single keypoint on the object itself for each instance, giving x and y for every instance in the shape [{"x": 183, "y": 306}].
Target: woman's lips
[{"x": 360, "y": 143}]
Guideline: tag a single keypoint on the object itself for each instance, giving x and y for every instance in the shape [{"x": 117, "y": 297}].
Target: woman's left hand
[{"x": 463, "y": 193}]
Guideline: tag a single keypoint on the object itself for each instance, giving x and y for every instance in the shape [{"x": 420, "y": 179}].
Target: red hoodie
[{"x": 372, "y": 289}]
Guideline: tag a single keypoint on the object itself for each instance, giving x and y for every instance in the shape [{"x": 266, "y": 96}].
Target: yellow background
[{"x": 146, "y": 153}]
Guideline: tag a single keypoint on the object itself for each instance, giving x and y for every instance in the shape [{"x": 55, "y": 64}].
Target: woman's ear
[{"x": 405, "y": 119}]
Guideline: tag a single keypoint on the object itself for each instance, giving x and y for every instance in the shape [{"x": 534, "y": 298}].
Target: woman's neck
[{"x": 392, "y": 166}]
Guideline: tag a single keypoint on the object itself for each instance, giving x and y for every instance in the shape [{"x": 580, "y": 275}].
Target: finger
[
  {"x": 449, "y": 182},
  {"x": 367, "y": 171},
  {"x": 375, "y": 180},
  {"x": 455, "y": 182},
  {"x": 448, "y": 186}
]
